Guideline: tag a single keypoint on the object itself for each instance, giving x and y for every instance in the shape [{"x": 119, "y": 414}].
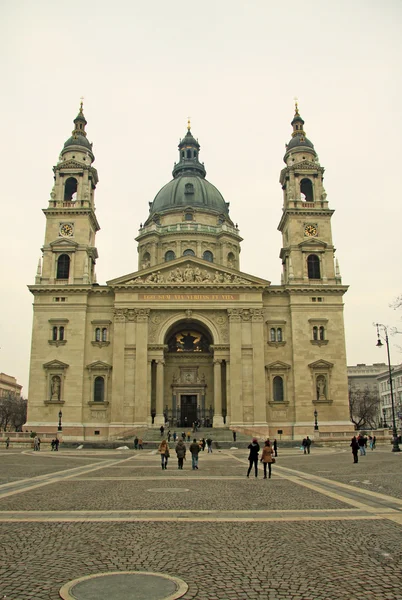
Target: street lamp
[
  {"x": 60, "y": 427},
  {"x": 395, "y": 445},
  {"x": 315, "y": 421}
]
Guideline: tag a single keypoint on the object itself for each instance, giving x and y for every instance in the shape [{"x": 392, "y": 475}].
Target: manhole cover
[{"x": 124, "y": 585}]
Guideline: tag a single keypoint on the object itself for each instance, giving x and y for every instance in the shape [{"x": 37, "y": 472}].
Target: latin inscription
[{"x": 189, "y": 297}]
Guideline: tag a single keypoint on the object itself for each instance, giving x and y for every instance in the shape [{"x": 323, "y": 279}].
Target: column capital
[
  {"x": 234, "y": 315},
  {"x": 142, "y": 314},
  {"x": 217, "y": 361}
]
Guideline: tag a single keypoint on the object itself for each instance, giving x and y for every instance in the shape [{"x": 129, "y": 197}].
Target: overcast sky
[{"x": 235, "y": 68}]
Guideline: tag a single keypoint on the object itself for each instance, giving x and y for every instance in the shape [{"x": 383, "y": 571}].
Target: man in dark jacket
[
  {"x": 253, "y": 456},
  {"x": 194, "y": 449}
]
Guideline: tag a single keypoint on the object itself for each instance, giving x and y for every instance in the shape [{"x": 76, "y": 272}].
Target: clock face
[
  {"x": 310, "y": 229},
  {"x": 66, "y": 229}
]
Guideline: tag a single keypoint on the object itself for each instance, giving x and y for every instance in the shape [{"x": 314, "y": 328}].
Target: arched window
[
  {"x": 182, "y": 154},
  {"x": 170, "y": 255},
  {"x": 278, "y": 389},
  {"x": 188, "y": 252},
  {"x": 208, "y": 256},
  {"x": 315, "y": 333},
  {"x": 61, "y": 333},
  {"x": 306, "y": 189},
  {"x": 99, "y": 389},
  {"x": 231, "y": 259},
  {"x": 313, "y": 267},
  {"x": 104, "y": 334},
  {"x": 272, "y": 334},
  {"x": 54, "y": 334},
  {"x": 97, "y": 334},
  {"x": 70, "y": 188},
  {"x": 188, "y": 217},
  {"x": 279, "y": 334},
  {"x": 322, "y": 333},
  {"x": 195, "y": 153},
  {"x": 63, "y": 266},
  {"x": 188, "y": 153}
]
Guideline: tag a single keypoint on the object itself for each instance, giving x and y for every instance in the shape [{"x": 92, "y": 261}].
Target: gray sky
[{"x": 235, "y": 68}]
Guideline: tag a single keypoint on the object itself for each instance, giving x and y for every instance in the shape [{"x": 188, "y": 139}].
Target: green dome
[{"x": 189, "y": 190}]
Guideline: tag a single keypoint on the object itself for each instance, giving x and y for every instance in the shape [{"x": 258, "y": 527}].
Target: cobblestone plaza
[{"x": 321, "y": 528}]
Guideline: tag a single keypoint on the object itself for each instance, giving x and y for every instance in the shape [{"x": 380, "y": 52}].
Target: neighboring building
[
  {"x": 363, "y": 377},
  {"x": 188, "y": 336},
  {"x": 9, "y": 386},
  {"x": 385, "y": 396}
]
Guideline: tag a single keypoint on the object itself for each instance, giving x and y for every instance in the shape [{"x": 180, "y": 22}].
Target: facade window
[
  {"x": 272, "y": 334},
  {"x": 279, "y": 334},
  {"x": 188, "y": 252},
  {"x": 188, "y": 153},
  {"x": 322, "y": 333},
  {"x": 104, "y": 334},
  {"x": 99, "y": 389},
  {"x": 278, "y": 389},
  {"x": 97, "y": 334},
  {"x": 70, "y": 189},
  {"x": 208, "y": 256},
  {"x": 313, "y": 267},
  {"x": 189, "y": 188},
  {"x": 188, "y": 217},
  {"x": 315, "y": 333},
  {"x": 170, "y": 255},
  {"x": 63, "y": 266},
  {"x": 61, "y": 333},
  {"x": 306, "y": 190},
  {"x": 276, "y": 334},
  {"x": 57, "y": 333}
]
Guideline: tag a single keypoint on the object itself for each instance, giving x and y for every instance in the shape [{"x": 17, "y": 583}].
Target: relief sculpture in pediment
[{"x": 189, "y": 274}]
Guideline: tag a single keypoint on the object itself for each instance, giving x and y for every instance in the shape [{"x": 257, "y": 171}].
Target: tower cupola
[
  {"x": 189, "y": 149},
  {"x": 299, "y": 141},
  {"x": 78, "y": 140}
]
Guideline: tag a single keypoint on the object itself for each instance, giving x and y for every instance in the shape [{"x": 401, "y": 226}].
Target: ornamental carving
[
  {"x": 155, "y": 324},
  {"x": 119, "y": 315},
  {"x": 189, "y": 274}
]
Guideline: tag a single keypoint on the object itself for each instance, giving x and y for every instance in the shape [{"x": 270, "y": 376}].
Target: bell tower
[
  {"x": 307, "y": 250},
  {"x": 69, "y": 252}
]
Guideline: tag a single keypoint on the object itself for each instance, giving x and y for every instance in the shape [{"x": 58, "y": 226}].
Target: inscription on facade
[{"x": 189, "y": 297}]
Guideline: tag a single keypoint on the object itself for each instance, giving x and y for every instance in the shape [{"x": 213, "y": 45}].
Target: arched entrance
[{"x": 189, "y": 371}]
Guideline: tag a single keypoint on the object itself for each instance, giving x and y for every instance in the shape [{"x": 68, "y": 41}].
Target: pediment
[
  {"x": 56, "y": 365},
  {"x": 321, "y": 364},
  {"x": 278, "y": 365},
  {"x": 70, "y": 164},
  {"x": 99, "y": 365},
  {"x": 63, "y": 243},
  {"x": 188, "y": 271},
  {"x": 312, "y": 243}
]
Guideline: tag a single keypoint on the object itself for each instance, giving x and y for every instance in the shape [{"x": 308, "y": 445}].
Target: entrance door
[{"x": 188, "y": 410}]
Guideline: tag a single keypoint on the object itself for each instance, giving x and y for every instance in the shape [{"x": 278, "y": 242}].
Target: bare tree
[
  {"x": 13, "y": 412},
  {"x": 363, "y": 407}
]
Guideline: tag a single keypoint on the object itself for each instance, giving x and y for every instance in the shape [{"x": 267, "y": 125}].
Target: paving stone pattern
[{"x": 291, "y": 560}]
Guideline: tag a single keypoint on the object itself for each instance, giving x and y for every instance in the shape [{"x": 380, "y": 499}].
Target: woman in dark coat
[
  {"x": 181, "y": 453},
  {"x": 355, "y": 448},
  {"x": 253, "y": 456}
]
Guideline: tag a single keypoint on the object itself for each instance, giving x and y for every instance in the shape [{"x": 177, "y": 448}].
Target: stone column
[
  {"x": 236, "y": 379},
  {"x": 159, "y": 418},
  {"x": 149, "y": 382},
  {"x": 228, "y": 407},
  {"x": 260, "y": 406},
  {"x": 142, "y": 406},
  {"x": 218, "y": 419},
  {"x": 119, "y": 333}
]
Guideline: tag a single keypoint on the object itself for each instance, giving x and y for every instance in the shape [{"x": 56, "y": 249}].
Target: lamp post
[
  {"x": 315, "y": 421},
  {"x": 60, "y": 427},
  {"x": 395, "y": 445}
]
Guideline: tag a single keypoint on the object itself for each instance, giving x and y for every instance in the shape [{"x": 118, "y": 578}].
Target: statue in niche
[
  {"x": 321, "y": 388},
  {"x": 55, "y": 388}
]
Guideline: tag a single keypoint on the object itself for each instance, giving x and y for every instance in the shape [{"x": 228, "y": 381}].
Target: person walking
[
  {"x": 136, "y": 443},
  {"x": 374, "y": 441},
  {"x": 7, "y": 443},
  {"x": 181, "y": 453},
  {"x": 355, "y": 448},
  {"x": 169, "y": 435},
  {"x": 194, "y": 449},
  {"x": 304, "y": 446},
  {"x": 275, "y": 446},
  {"x": 254, "y": 448},
  {"x": 161, "y": 429},
  {"x": 308, "y": 444},
  {"x": 267, "y": 458},
  {"x": 188, "y": 436},
  {"x": 234, "y": 435},
  {"x": 203, "y": 444},
  {"x": 140, "y": 446},
  {"x": 174, "y": 436},
  {"x": 209, "y": 444},
  {"x": 164, "y": 452},
  {"x": 56, "y": 444},
  {"x": 362, "y": 445}
]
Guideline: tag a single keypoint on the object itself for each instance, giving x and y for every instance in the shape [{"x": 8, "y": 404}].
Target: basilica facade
[{"x": 188, "y": 336}]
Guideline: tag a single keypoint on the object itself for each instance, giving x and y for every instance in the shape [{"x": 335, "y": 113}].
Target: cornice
[
  {"x": 69, "y": 289},
  {"x": 68, "y": 211},
  {"x": 303, "y": 289}
]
